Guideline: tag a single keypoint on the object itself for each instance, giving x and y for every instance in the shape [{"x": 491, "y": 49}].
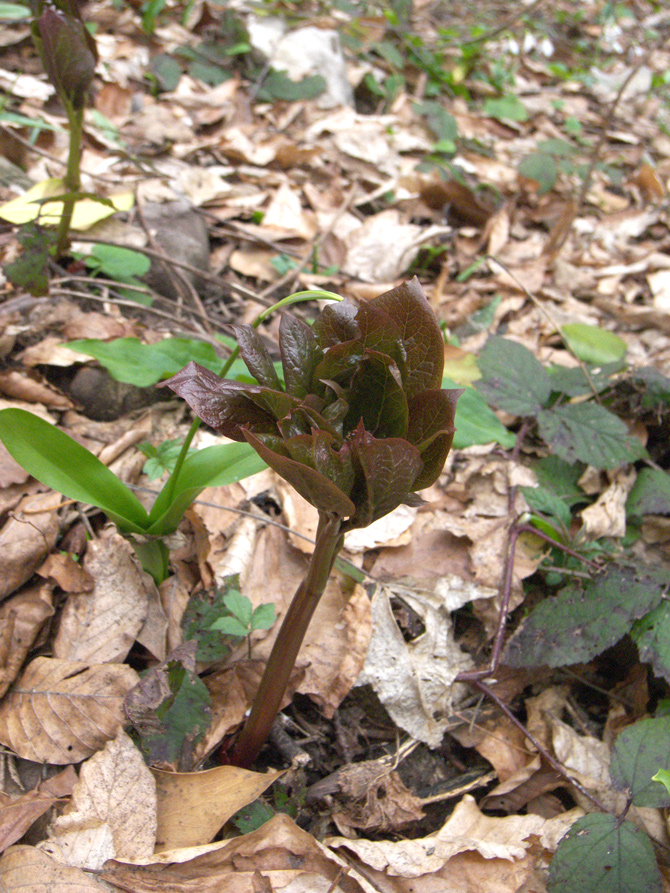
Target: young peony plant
[{"x": 358, "y": 426}]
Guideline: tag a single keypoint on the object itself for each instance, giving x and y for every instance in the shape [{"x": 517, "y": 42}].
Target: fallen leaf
[
  {"x": 63, "y": 711},
  {"x": 24, "y": 869},
  {"x": 102, "y": 625},
  {"x": 26, "y": 538},
  {"x": 21, "y": 619},
  {"x": 192, "y": 806}
]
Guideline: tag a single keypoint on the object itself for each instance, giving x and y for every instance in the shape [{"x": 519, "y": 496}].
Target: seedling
[{"x": 359, "y": 424}]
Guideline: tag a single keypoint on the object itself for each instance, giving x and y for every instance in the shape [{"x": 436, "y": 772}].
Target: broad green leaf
[
  {"x": 264, "y": 617},
  {"x": 574, "y": 382},
  {"x": 14, "y": 12},
  {"x": 132, "y": 362},
  {"x": 117, "y": 262},
  {"x": 541, "y": 168},
  {"x": 476, "y": 422},
  {"x": 277, "y": 86},
  {"x": 166, "y": 70},
  {"x": 180, "y": 720},
  {"x": 239, "y": 606},
  {"x": 639, "y": 751},
  {"x": 508, "y": 108},
  {"x": 442, "y": 124},
  {"x": 214, "y": 466},
  {"x": 581, "y": 622},
  {"x": 651, "y": 634},
  {"x": 663, "y": 777},
  {"x": 650, "y": 494},
  {"x": 547, "y": 503},
  {"x": 592, "y": 344},
  {"x": 30, "y": 270},
  {"x": 64, "y": 465},
  {"x": 512, "y": 379},
  {"x": 230, "y": 626},
  {"x": 587, "y": 432},
  {"x": 601, "y": 854},
  {"x": 560, "y": 478}
]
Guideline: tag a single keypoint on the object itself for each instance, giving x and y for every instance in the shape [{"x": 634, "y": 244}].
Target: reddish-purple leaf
[
  {"x": 336, "y": 323},
  {"x": 376, "y": 397},
  {"x": 300, "y": 354},
  {"x": 221, "y": 404},
  {"x": 431, "y": 430},
  {"x": 313, "y": 486},
  {"x": 256, "y": 357},
  {"x": 420, "y": 333},
  {"x": 68, "y": 53}
]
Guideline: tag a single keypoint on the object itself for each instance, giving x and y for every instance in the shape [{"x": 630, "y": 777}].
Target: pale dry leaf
[
  {"x": 115, "y": 789},
  {"x": 26, "y": 539},
  {"x": 280, "y": 850},
  {"x": 174, "y": 595},
  {"x": 24, "y": 869},
  {"x": 102, "y": 625},
  {"x": 87, "y": 846},
  {"x": 67, "y": 573},
  {"x": 285, "y": 212},
  {"x": 63, "y": 711},
  {"x": 17, "y": 814},
  {"x": 21, "y": 619},
  {"x": 606, "y": 517},
  {"x": 193, "y": 806},
  {"x": 50, "y": 352},
  {"x": 22, "y": 387},
  {"x": 414, "y": 681},
  {"x": 10, "y": 470},
  {"x": 154, "y": 630},
  {"x": 391, "y": 530}
]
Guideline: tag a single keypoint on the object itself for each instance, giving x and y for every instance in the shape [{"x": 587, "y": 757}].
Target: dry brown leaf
[
  {"x": 378, "y": 801},
  {"x": 66, "y": 572},
  {"x": 27, "y": 538},
  {"x": 192, "y": 806},
  {"x": 18, "y": 814},
  {"x": 174, "y": 597},
  {"x": 287, "y": 856},
  {"x": 50, "y": 352},
  {"x": 63, "y": 711},
  {"x": 10, "y": 470},
  {"x": 113, "y": 802},
  {"x": 102, "y": 625},
  {"x": 23, "y": 387},
  {"x": 24, "y": 869},
  {"x": 21, "y": 619},
  {"x": 414, "y": 680}
]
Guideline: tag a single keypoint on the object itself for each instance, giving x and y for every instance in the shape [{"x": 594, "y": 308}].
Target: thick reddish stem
[{"x": 287, "y": 644}]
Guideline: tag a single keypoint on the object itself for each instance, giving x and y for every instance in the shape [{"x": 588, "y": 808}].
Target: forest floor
[{"x": 516, "y": 159}]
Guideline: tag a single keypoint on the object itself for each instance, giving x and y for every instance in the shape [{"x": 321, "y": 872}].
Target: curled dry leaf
[
  {"x": 21, "y": 619},
  {"x": 193, "y": 806},
  {"x": 63, "y": 711},
  {"x": 25, "y": 868},
  {"x": 17, "y": 814},
  {"x": 117, "y": 791},
  {"x": 27, "y": 538},
  {"x": 102, "y": 625}
]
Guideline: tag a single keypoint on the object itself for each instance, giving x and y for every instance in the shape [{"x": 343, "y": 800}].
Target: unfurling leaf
[
  {"x": 67, "y": 51},
  {"x": 360, "y": 422}
]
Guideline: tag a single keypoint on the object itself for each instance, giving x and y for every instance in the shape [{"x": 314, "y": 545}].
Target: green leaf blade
[
  {"x": 512, "y": 378},
  {"x": 600, "y": 854},
  {"x": 639, "y": 751},
  {"x": 61, "y": 463},
  {"x": 587, "y": 432},
  {"x": 592, "y": 344}
]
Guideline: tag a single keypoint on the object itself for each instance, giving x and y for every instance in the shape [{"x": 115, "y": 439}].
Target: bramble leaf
[
  {"x": 650, "y": 494},
  {"x": 587, "y": 432},
  {"x": 602, "y": 854},
  {"x": 651, "y": 634},
  {"x": 580, "y": 623},
  {"x": 512, "y": 379},
  {"x": 639, "y": 751}
]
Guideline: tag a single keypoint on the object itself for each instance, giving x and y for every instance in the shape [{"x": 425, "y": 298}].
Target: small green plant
[
  {"x": 358, "y": 424},
  {"x": 124, "y": 266}
]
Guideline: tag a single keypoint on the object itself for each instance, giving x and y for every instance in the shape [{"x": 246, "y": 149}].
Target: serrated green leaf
[
  {"x": 541, "y": 168},
  {"x": 512, "y": 379},
  {"x": 580, "y": 623},
  {"x": 650, "y": 494},
  {"x": 130, "y": 361},
  {"x": 202, "y": 611},
  {"x": 587, "y": 432},
  {"x": 592, "y": 344},
  {"x": 239, "y": 606},
  {"x": 263, "y": 617},
  {"x": 230, "y": 626},
  {"x": 639, "y": 751},
  {"x": 476, "y": 422},
  {"x": 651, "y": 634},
  {"x": 560, "y": 478},
  {"x": 547, "y": 503},
  {"x": 504, "y": 108},
  {"x": 69, "y": 468},
  {"x": 601, "y": 854},
  {"x": 278, "y": 86},
  {"x": 574, "y": 382}
]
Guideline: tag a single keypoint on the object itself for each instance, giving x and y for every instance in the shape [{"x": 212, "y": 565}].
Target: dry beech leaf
[
  {"x": 63, "y": 711},
  {"x": 24, "y": 869},
  {"x": 18, "y": 814},
  {"x": 117, "y": 791},
  {"x": 192, "y": 806},
  {"x": 102, "y": 625},
  {"x": 21, "y": 619},
  {"x": 66, "y": 572},
  {"x": 287, "y": 856},
  {"x": 27, "y": 538}
]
